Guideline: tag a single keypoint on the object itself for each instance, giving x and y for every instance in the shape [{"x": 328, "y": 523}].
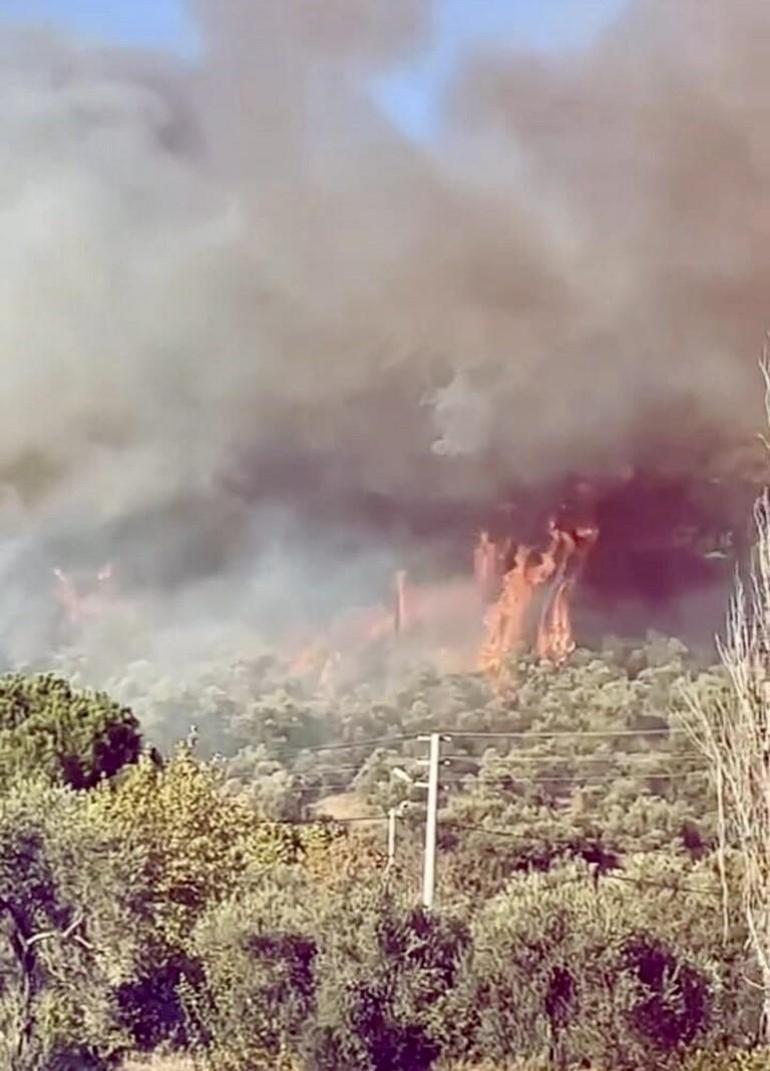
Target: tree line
[{"x": 159, "y": 896}]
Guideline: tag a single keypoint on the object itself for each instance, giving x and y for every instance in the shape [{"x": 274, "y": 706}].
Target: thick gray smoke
[{"x": 234, "y": 296}]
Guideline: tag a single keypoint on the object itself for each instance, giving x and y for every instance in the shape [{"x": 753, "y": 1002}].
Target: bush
[
  {"x": 383, "y": 969},
  {"x": 68, "y": 899},
  {"x": 257, "y": 953},
  {"x": 197, "y": 841},
  {"x": 198, "y": 846},
  {"x": 563, "y": 969}
]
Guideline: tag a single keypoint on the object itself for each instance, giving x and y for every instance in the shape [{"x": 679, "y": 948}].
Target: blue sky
[
  {"x": 408, "y": 96},
  {"x": 162, "y": 23}
]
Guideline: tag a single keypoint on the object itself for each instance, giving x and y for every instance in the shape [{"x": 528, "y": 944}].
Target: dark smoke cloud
[
  {"x": 234, "y": 292},
  {"x": 576, "y": 276}
]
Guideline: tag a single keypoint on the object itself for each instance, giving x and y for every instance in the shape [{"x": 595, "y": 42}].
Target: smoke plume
[{"x": 241, "y": 312}]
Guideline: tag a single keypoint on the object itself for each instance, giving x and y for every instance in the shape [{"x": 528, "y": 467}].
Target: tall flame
[
  {"x": 507, "y": 622},
  {"x": 555, "y": 635}
]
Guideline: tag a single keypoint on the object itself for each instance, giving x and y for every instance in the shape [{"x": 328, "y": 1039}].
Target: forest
[{"x": 200, "y": 872}]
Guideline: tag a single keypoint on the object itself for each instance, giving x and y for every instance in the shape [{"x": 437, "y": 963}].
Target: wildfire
[
  {"x": 82, "y": 606},
  {"x": 525, "y": 606},
  {"x": 508, "y": 622},
  {"x": 445, "y": 617},
  {"x": 555, "y": 637}
]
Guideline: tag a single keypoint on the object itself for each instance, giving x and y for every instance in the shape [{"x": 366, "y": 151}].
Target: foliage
[
  {"x": 383, "y": 967},
  {"x": 196, "y": 844},
  {"x": 74, "y": 738},
  {"x": 574, "y": 970},
  {"x": 582, "y": 897},
  {"x": 67, "y": 900},
  {"x": 230, "y": 703},
  {"x": 196, "y": 839},
  {"x": 258, "y": 956},
  {"x": 739, "y": 1060}
]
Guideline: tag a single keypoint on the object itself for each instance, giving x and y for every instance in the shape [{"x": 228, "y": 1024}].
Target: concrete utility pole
[
  {"x": 431, "y": 820},
  {"x": 392, "y": 815}
]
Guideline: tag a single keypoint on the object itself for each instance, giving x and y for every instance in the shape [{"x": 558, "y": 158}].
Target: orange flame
[
  {"x": 507, "y": 620},
  {"x": 555, "y": 636}
]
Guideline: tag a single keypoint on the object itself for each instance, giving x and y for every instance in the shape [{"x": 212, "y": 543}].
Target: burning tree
[{"x": 733, "y": 731}]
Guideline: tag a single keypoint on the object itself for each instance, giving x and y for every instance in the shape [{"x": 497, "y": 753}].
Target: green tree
[
  {"x": 197, "y": 840},
  {"x": 383, "y": 969},
  {"x": 257, "y": 952},
  {"x": 73, "y": 738},
  {"x": 68, "y": 899},
  {"x": 198, "y": 845},
  {"x": 628, "y": 972}
]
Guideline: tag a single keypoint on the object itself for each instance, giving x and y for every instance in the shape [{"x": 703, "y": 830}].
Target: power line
[
  {"x": 648, "y": 883},
  {"x": 584, "y": 778},
  {"x": 458, "y": 778},
  {"x": 525, "y": 734},
  {"x": 327, "y": 819},
  {"x": 318, "y": 748},
  {"x": 529, "y": 838},
  {"x": 570, "y": 734},
  {"x": 614, "y": 756}
]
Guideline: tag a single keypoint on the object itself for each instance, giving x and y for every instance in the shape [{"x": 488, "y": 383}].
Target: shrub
[
  {"x": 68, "y": 897},
  {"x": 257, "y": 953},
  {"x": 561, "y": 968},
  {"x": 198, "y": 845},
  {"x": 383, "y": 970}
]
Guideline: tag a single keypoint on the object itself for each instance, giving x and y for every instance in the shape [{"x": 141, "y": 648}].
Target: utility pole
[
  {"x": 391, "y": 837},
  {"x": 431, "y": 820}
]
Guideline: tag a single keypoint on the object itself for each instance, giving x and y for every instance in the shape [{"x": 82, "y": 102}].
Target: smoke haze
[{"x": 241, "y": 313}]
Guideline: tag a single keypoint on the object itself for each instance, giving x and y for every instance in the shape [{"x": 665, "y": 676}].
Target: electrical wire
[
  {"x": 585, "y": 778},
  {"x": 453, "y": 734},
  {"x": 613, "y": 756},
  {"x": 570, "y": 734},
  {"x": 318, "y": 748}
]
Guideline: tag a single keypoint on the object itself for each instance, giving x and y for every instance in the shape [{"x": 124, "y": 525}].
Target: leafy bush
[
  {"x": 197, "y": 841},
  {"x": 68, "y": 899},
  {"x": 197, "y": 845},
  {"x": 257, "y": 990},
  {"x": 563, "y": 968},
  {"x": 383, "y": 969}
]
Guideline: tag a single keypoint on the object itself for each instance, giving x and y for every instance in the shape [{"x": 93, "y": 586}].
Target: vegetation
[
  {"x": 186, "y": 902},
  {"x": 71, "y": 738}
]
